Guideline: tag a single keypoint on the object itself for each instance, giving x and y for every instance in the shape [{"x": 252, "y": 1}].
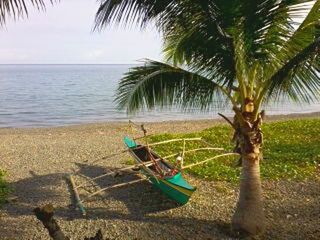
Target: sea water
[{"x": 57, "y": 95}]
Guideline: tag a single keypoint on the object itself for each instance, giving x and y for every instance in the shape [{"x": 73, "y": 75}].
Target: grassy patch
[
  {"x": 291, "y": 151},
  {"x": 4, "y": 188}
]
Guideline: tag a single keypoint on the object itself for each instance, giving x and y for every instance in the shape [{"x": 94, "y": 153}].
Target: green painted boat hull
[
  {"x": 175, "y": 187},
  {"x": 176, "y": 193}
]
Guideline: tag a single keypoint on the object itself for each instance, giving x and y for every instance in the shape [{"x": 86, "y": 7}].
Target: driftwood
[{"x": 45, "y": 215}]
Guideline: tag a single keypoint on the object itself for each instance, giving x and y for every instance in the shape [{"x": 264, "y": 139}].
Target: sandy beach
[{"x": 37, "y": 160}]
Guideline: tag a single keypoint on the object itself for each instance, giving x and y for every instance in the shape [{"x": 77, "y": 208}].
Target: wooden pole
[
  {"x": 183, "y": 151},
  {"x": 152, "y": 144},
  {"x": 137, "y": 138},
  {"x": 175, "y": 140},
  {"x": 147, "y": 164},
  {"x": 114, "y": 186},
  {"x": 167, "y": 141},
  {"x": 156, "y": 165},
  {"x": 209, "y": 144},
  {"x": 195, "y": 150},
  {"x": 76, "y": 195},
  {"x": 209, "y": 159},
  {"x": 108, "y": 157}
]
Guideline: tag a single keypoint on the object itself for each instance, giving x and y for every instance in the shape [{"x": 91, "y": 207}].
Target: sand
[{"x": 37, "y": 160}]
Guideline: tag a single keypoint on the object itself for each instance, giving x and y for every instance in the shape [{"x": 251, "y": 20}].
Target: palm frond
[
  {"x": 196, "y": 38},
  {"x": 298, "y": 73},
  {"x": 305, "y": 34},
  {"x": 264, "y": 27},
  {"x": 299, "y": 78},
  {"x": 248, "y": 47},
  {"x": 18, "y": 8},
  {"x": 226, "y": 39},
  {"x": 130, "y": 11},
  {"x": 158, "y": 84}
]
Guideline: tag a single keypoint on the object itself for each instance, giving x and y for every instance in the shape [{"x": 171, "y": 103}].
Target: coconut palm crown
[
  {"x": 248, "y": 52},
  {"x": 243, "y": 49}
]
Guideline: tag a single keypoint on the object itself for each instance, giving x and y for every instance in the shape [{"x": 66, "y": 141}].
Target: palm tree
[
  {"x": 247, "y": 52},
  {"x": 19, "y": 8}
]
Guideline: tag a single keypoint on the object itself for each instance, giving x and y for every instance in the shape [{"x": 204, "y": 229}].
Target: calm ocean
[{"x": 55, "y": 95}]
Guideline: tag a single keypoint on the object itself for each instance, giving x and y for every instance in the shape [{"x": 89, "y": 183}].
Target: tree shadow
[
  {"x": 142, "y": 203},
  {"x": 30, "y": 192},
  {"x": 35, "y": 190},
  {"x": 141, "y": 200}
]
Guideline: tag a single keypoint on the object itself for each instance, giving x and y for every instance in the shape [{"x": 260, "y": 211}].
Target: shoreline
[{"x": 269, "y": 118}]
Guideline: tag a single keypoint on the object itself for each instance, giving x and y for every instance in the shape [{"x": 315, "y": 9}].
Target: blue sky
[{"x": 63, "y": 34}]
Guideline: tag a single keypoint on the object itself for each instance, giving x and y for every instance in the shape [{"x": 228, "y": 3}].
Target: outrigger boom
[
  {"x": 156, "y": 169},
  {"x": 119, "y": 170}
]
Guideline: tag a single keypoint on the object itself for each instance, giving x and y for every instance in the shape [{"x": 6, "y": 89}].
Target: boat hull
[
  {"x": 175, "y": 192},
  {"x": 175, "y": 187}
]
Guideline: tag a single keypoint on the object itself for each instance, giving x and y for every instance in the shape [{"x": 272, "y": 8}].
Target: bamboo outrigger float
[{"x": 153, "y": 168}]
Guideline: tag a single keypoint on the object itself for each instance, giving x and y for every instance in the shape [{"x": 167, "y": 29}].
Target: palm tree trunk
[{"x": 249, "y": 217}]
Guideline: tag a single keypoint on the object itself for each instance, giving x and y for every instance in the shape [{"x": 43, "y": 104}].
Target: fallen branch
[{"x": 45, "y": 215}]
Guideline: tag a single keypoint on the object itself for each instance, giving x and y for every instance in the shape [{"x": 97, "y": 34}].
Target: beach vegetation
[
  {"x": 245, "y": 53},
  {"x": 4, "y": 188},
  {"x": 291, "y": 151}
]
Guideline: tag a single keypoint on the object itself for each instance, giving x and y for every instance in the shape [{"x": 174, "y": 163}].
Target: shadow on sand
[{"x": 140, "y": 200}]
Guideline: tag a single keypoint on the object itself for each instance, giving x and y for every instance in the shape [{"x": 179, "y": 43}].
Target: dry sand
[{"x": 38, "y": 160}]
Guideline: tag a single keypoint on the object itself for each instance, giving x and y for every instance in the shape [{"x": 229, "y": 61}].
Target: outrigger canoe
[
  {"x": 161, "y": 174},
  {"x": 153, "y": 168}
]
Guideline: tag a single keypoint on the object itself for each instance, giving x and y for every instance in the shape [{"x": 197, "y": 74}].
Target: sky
[{"x": 63, "y": 34}]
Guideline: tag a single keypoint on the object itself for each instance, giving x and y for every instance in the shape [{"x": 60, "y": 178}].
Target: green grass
[
  {"x": 4, "y": 189},
  {"x": 291, "y": 151}
]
